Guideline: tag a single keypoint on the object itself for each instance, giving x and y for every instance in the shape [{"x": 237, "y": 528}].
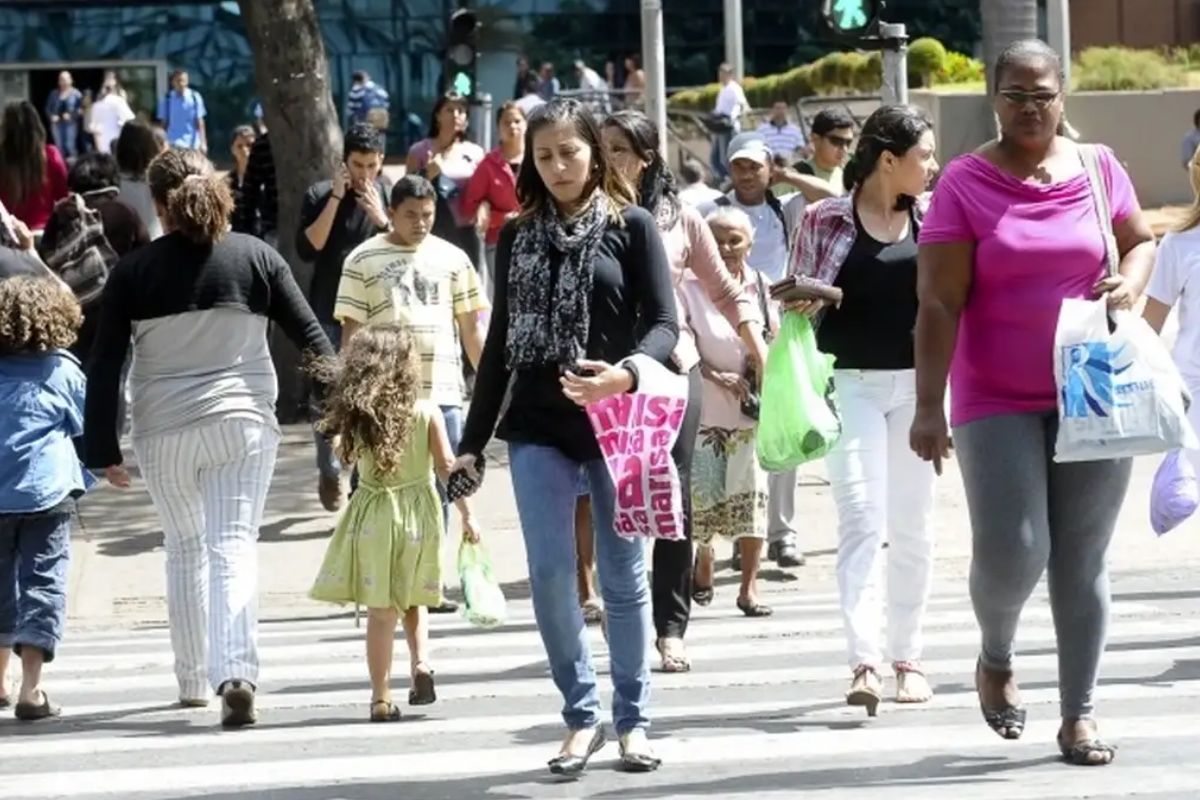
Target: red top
[
  {"x": 495, "y": 183},
  {"x": 35, "y": 211}
]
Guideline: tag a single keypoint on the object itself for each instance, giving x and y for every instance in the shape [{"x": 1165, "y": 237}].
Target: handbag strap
[
  {"x": 762, "y": 304},
  {"x": 1090, "y": 154}
]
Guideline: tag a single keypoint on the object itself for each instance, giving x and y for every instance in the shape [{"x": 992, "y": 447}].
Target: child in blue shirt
[{"x": 41, "y": 392}]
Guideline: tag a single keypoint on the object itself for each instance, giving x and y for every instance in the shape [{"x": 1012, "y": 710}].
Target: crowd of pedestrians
[{"x": 553, "y": 269}]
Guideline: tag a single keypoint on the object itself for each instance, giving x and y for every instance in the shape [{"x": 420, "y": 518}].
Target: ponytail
[{"x": 197, "y": 202}]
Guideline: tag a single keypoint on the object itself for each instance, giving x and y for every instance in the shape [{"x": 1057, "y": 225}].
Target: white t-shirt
[
  {"x": 732, "y": 102},
  {"x": 772, "y": 243},
  {"x": 1176, "y": 282},
  {"x": 109, "y": 114}
]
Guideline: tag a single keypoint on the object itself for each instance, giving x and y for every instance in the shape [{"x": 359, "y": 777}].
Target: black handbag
[{"x": 752, "y": 402}]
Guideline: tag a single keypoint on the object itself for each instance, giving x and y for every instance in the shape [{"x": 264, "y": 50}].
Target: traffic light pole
[
  {"x": 893, "y": 39},
  {"x": 654, "y": 62}
]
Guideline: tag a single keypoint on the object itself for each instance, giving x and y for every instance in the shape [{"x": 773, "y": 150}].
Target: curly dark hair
[
  {"x": 37, "y": 315},
  {"x": 372, "y": 394}
]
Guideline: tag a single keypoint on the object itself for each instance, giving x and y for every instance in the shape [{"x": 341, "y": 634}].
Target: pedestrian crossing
[{"x": 761, "y": 713}]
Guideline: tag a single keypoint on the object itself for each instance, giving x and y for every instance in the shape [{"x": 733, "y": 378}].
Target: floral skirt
[{"x": 729, "y": 488}]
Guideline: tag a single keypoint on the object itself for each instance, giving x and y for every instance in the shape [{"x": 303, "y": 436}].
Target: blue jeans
[
  {"x": 327, "y": 460},
  {"x": 546, "y": 485},
  {"x": 719, "y": 161},
  {"x": 453, "y": 417},
  {"x": 34, "y": 555},
  {"x": 66, "y": 136}
]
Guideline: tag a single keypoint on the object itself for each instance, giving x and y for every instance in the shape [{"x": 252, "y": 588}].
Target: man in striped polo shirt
[{"x": 783, "y": 137}]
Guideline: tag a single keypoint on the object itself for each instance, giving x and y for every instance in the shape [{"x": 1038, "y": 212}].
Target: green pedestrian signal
[
  {"x": 850, "y": 16},
  {"x": 462, "y": 52}
]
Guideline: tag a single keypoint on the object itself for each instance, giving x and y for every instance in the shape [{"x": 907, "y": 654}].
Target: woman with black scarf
[{"x": 582, "y": 284}]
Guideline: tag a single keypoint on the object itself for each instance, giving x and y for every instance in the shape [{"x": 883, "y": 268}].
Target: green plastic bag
[
  {"x": 484, "y": 603},
  {"x": 798, "y": 421}
]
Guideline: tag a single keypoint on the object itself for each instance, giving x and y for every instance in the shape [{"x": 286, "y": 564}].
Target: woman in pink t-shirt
[{"x": 1011, "y": 232}]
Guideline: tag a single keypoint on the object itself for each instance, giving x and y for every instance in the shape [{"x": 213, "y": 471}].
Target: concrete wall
[{"x": 1145, "y": 129}]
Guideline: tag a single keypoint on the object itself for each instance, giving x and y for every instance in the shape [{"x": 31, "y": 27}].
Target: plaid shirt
[{"x": 827, "y": 234}]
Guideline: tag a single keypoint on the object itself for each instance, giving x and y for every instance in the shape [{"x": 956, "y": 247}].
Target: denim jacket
[{"x": 42, "y": 397}]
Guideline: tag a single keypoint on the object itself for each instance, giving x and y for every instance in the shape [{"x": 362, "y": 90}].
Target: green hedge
[
  {"x": 840, "y": 73},
  {"x": 836, "y": 73},
  {"x": 1114, "y": 69}
]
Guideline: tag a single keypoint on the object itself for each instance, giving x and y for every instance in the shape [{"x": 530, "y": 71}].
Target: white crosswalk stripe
[{"x": 761, "y": 712}]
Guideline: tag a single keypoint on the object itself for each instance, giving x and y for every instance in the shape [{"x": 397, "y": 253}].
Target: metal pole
[
  {"x": 895, "y": 62},
  {"x": 654, "y": 61},
  {"x": 735, "y": 51},
  {"x": 1058, "y": 34},
  {"x": 486, "y": 123}
]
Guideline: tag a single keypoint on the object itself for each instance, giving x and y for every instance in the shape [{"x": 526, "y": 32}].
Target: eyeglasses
[
  {"x": 843, "y": 142},
  {"x": 1020, "y": 98}
]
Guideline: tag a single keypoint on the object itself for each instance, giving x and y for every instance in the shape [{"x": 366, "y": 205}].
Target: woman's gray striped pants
[{"x": 209, "y": 485}]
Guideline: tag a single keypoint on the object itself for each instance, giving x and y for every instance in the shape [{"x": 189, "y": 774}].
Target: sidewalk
[{"x": 117, "y": 575}]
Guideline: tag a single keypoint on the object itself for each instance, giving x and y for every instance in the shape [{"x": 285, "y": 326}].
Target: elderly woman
[{"x": 729, "y": 488}]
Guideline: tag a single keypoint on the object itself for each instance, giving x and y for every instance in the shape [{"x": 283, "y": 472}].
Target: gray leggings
[{"x": 1029, "y": 514}]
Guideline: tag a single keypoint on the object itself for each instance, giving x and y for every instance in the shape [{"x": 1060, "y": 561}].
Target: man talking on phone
[{"x": 337, "y": 216}]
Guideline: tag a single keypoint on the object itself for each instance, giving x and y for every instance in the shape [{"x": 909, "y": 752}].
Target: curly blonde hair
[
  {"x": 37, "y": 314},
  {"x": 372, "y": 394}
]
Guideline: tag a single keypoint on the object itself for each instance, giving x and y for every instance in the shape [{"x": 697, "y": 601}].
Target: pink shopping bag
[{"x": 636, "y": 433}]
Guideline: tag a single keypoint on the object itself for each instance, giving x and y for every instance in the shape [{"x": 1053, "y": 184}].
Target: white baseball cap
[{"x": 751, "y": 148}]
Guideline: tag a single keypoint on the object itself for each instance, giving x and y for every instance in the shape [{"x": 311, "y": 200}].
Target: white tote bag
[{"x": 1119, "y": 393}]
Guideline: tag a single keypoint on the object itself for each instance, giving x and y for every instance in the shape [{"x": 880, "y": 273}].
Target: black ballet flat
[{"x": 568, "y": 765}]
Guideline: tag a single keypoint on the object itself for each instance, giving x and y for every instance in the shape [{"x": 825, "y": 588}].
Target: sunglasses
[
  {"x": 1020, "y": 98},
  {"x": 843, "y": 142}
]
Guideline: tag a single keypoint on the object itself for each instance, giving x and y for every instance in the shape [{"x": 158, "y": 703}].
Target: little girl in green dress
[{"x": 384, "y": 553}]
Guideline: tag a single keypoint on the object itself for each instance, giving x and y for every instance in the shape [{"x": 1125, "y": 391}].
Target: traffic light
[
  {"x": 850, "y": 17},
  {"x": 462, "y": 52}
]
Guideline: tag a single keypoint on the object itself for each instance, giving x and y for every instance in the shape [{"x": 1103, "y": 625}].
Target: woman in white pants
[
  {"x": 197, "y": 303},
  {"x": 866, "y": 244}
]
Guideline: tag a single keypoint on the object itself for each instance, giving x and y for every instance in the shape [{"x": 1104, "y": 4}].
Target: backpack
[{"x": 81, "y": 254}]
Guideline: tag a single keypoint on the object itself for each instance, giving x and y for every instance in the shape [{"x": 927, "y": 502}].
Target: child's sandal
[
  {"x": 384, "y": 711},
  {"x": 422, "y": 692}
]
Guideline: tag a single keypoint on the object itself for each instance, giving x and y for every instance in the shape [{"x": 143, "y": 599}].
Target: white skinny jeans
[
  {"x": 209, "y": 485},
  {"x": 884, "y": 492}
]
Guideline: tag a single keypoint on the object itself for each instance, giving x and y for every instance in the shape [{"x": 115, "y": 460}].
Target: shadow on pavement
[{"x": 940, "y": 770}]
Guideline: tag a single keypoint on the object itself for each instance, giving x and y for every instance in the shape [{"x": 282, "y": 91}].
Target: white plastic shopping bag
[{"x": 1119, "y": 393}]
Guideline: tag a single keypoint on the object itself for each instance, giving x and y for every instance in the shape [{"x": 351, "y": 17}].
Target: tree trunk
[
  {"x": 306, "y": 139},
  {"x": 1005, "y": 22}
]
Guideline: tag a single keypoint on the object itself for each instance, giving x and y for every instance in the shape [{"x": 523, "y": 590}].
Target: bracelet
[{"x": 337, "y": 196}]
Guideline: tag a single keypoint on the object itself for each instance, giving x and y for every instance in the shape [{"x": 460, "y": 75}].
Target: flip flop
[
  {"x": 702, "y": 595},
  {"x": 28, "y": 712}
]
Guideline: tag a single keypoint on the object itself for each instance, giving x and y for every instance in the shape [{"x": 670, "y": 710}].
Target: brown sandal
[{"x": 384, "y": 711}]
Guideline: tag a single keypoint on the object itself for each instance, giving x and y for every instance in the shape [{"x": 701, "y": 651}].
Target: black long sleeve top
[{"x": 632, "y": 311}]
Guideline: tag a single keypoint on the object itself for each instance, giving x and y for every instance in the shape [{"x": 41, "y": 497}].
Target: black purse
[
  {"x": 461, "y": 485},
  {"x": 751, "y": 404}
]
